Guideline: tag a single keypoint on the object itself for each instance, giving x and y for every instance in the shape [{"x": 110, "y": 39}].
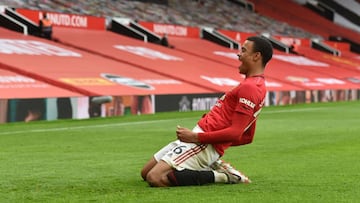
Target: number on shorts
[{"x": 178, "y": 150}]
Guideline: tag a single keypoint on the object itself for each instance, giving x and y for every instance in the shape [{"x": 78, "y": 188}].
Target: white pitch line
[
  {"x": 294, "y": 110},
  {"x": 90, "y": 126},
  {"x": 137, "y": 123}
]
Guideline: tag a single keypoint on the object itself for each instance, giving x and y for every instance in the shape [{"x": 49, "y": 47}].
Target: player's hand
[{"x": 186, "y": 135}]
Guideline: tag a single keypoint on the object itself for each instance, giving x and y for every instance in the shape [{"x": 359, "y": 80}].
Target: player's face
[{"x": 246, "y": 57}]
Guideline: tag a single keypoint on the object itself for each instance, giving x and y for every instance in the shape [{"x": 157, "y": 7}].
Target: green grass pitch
[{"x": 301, "y": 153}]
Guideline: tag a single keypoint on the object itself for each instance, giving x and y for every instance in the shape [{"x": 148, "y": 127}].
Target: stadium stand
[
  {"x": 205, "y": 49},
  {"x": 304, "y": 18},
  {"x": 347, "y": 60},
  {"x": 334, "y": 68},
  {"x": 188, "y": 13},
  {"x": 199, "y": 67},
  {"x": 342, "y": 9},
  {"x": 83, "y": 62},
  {"x": 351, "y": 5},
  {"x": 146, "y": 56},
  {"x": 84, "y": 72}
]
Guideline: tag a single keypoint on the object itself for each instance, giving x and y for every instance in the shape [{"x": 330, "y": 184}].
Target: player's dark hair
[{"x": 262, "y": 45}]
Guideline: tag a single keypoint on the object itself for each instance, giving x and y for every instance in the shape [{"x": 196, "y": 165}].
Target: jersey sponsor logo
[{"x": 247, "y": 102}]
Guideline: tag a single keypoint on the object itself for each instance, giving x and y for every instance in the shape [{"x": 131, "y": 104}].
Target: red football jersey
[{"x": 243, "y": 102}]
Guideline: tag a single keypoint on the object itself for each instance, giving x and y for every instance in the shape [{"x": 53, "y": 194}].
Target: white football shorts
[{"x": 182, "y": 155}]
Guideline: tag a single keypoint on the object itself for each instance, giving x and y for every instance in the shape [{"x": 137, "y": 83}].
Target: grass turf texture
[{"x": 307, "y": 153}]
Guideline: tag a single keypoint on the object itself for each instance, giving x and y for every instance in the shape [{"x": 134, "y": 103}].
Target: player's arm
[
  {"x": 240, "y": 120},
  {"x": 247, "y": 136},
  {"x": 230, "y": 134}
]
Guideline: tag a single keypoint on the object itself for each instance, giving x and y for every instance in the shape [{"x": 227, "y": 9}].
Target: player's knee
[
  {"x": 154, "y": 179},
  {"x": 144, "y": 173}
]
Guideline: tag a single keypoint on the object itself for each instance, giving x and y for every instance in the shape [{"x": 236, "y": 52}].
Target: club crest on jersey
[{"x": 247, "y": 102}]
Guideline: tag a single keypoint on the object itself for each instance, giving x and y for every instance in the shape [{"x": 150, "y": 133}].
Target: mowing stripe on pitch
[{"x": 139, "y": 122}]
